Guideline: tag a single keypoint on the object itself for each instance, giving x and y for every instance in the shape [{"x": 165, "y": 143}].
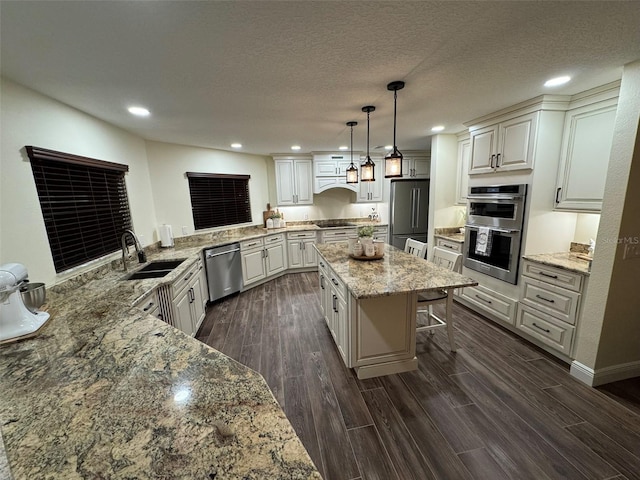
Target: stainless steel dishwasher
[{"x": 224, "y": 270}]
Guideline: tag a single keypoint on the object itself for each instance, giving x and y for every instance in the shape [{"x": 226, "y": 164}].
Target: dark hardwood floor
[{"x": 499, "y": 408}]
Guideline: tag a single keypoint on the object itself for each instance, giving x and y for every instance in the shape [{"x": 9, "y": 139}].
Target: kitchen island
[{"x": 370, "y": 306}]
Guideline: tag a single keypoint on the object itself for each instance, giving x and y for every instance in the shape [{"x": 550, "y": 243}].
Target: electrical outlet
[
  {"x": 306, "y": 216},
  {"x": 631, "y": 250},
  {"x": 185, "y": 231}
]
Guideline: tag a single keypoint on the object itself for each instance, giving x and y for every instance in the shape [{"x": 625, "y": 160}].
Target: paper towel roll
[{"x": 166, "y": 236}]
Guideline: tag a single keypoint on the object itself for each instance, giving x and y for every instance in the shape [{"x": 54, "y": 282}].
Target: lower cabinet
[
  {"x": 549, "y": 306},
  {"x": 182, "y": 303},
  {"x": 491, "y": 303},
  {"x": 262, "y": 258},
  {"x": 300, "y": 251}
]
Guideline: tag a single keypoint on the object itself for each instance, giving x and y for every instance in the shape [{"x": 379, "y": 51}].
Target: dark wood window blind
[
  {"x": 84, "y": 204},
  {"x": 219, "y": 199}
]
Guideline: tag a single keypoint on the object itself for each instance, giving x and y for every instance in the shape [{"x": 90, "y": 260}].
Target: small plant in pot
[
  {"x": 365, "y": 233},
  {"x": 275, "y": 218}
]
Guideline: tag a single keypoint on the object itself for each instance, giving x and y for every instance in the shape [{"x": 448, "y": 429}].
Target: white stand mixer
[{"x": 15, "y": 319}]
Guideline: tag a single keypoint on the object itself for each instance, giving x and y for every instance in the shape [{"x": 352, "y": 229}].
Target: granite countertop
[
  {"x": 454, "y": 237},
  {"x": 106, "y": 391},
  {"x": 565, "y": 260},
  {"x": 397, "y": 272}
]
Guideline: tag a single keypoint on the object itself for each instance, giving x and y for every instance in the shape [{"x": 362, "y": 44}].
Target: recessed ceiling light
[
  {"x": 139, "y": 111},
  {"x": 295, "y": 147},
  {"x": 554, "y": 82},
  {"x": 236, "y": 145},
  {"x": 388, "y": 147},
  {"x": 438, "y": 128},
  {"x": 343, "y": 147}
]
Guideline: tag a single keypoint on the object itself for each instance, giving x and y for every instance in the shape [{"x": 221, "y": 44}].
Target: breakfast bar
[{"x": 370, "y": 306}]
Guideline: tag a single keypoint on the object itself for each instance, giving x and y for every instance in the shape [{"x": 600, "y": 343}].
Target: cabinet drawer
[
  {"x": 297, "y": 235},
  {"x": 552, "y": 275},
  {"x": 180, "y": 284},
  {"x": 494, "y": 303},
  {"x": 150, "y": 304},
  {"x": 272, "y": 239},
  {"x": 340, "y": 234},
  {"x": 338, "y": 285},
  {"x": 449, "y": 245},
  {"x": 547, "y": 329},
  {"x": 253, "y": 243},
  {"x": 556, "y": 301}
]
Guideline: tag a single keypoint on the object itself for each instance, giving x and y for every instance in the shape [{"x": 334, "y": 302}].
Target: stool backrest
[
  {"x": 414, "y": 247},
  {"x": 447, "y": 259}
]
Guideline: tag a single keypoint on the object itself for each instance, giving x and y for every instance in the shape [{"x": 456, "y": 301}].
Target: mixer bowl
[{"x": 33, "y": 295}]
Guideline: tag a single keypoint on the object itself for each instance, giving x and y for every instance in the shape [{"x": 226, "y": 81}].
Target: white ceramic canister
[
  {"x": 357, "y": 249},
  {"x": 369, "y": 249}
]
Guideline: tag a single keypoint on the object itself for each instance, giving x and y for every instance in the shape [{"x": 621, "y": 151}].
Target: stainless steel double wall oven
[{"x": 493, "y": 233}]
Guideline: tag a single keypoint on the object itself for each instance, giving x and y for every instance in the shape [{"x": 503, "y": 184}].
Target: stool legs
[{"x": 449, "y": 317}]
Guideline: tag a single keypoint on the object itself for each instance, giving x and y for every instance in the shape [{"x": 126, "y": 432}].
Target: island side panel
[{"x": 383, "y": 334}]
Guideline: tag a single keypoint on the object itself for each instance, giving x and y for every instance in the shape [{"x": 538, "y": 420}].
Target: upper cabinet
[
  {"x": 416, "y": 166},
  {"x": 504, "y": 146},
  {"x": 586, "y": 146},
  {"x": 464, "y": 156},
  {"x": 294, "y": 181},
  {"x": 330, "y": 171},
  {"x": 372, "y": 191}
]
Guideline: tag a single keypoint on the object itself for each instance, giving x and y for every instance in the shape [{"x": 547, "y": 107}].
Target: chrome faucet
[{"x": 142, "y": 258}]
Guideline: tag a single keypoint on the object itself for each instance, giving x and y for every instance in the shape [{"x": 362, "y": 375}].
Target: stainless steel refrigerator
[{"x": 409, "y": 211}]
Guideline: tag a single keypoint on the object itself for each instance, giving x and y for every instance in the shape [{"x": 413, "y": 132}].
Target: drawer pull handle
[
  {"x": 188, "y": 277},
  {"x": 545, "y": 299},
  {"x": 540, "y": 328},
  {"x": 550, "y": 276},
  {"x": 252, "y": 244},
  {"x": 321, "y": 264},
  {"x": 483, "y": 299},
  {"x": 148, "y": 307},
  {"x": 448, "y": 246},
  {"x": 322, "y": 282},
  {"x": 333, "y": 280}
]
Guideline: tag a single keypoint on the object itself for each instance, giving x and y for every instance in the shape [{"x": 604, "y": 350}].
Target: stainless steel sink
[{"x": 157, "y": 269}]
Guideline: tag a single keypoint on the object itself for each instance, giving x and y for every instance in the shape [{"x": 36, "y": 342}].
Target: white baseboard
[{"x": 601, "y": 376}]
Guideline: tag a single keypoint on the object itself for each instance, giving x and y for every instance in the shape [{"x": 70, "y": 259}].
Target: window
[
  {"x": 84, "y": 204},
  {"x": 218, "y": 200}
]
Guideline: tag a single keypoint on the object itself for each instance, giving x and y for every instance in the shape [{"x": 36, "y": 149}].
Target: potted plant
[
  {"x": 275, "y": 218},
  {"x": 365, "y": 234}
]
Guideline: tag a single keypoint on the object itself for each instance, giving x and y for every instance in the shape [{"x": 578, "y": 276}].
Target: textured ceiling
[{"x": 272, "y": 74}]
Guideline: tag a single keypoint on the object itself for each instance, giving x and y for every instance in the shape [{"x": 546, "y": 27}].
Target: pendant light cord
[
  {"x": 395, "y": 100},
  {"x": 368, "y": 113},
  {"x": 351, "y": 146}
]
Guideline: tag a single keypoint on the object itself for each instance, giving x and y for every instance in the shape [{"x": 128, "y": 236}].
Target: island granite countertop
[
  {"x": 397, "y": 272},
  {"x": 107, "y": 391}
]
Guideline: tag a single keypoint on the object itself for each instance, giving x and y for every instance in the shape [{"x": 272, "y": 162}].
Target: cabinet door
[
  {"x": 285, "y": 187},
  {"x": 517, "y": 139},
  {"x": 310, "y": 259},
  {"x": 303, "y": 182},
  {"x": 372, "y": 191},
  {"x": 253, "y": 266},
  {"x": 197, "y": 306},
  {"x": 341, "y": 328},
  {"x": 325, "y": 168},
  {"x": 182, "y": 310},
  {"x": 462, "y": 184},
  {"x": 483, "y": 146},
  {"x": 276, "y": 259},
  {"x": 586, "y": 147},
  {"x": 421, "y": 167},
  {"x": 294, "y": 251}
]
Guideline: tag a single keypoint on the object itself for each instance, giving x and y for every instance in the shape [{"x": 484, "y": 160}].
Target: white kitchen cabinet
[
  {"x": 262, "y": 258},
  {"x": 549, "y": 306},
  {"x": 294, "y": 181},
  {"x": 330, "y": 171},
  {"x": 182, "y": 304},
  {"x": 301, "y": 253},
  {"x": 586, "y": 146},
  {"x": 325, "y": 291},
  {"x": 450, "y": 245},
  {"x": 462, "y": 179},
  {"x": 338, "y": 235},
  {"x": 381, "y": 233},
  {"x": 415, "y": 166},
  {"x": 508, "y": 145},
  {"x": 372, "y": 191},
  {"x": 491, "y": 303}
]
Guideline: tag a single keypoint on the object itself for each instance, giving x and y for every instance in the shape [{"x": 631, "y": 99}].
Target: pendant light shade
[
  {"x": 367, "y": 169},
  {"x": 393, "y": 160},
  {"x": 352, "y": 170}
]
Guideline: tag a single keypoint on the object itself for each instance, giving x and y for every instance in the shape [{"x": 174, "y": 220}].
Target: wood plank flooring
[{"x": 499, "y": 408}]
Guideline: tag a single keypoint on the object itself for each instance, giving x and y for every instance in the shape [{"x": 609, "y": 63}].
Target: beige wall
[
  {"x": 168, "y": 164},
  {"x": 29, "y": 118},
  {"x": 610, "y": 327}
]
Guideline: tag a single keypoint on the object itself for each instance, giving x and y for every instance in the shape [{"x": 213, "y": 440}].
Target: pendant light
[
  {"x": 368, "y": 167},
  {"x": 352, "y": 170},
  {"x": 393, "y": 161}
]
